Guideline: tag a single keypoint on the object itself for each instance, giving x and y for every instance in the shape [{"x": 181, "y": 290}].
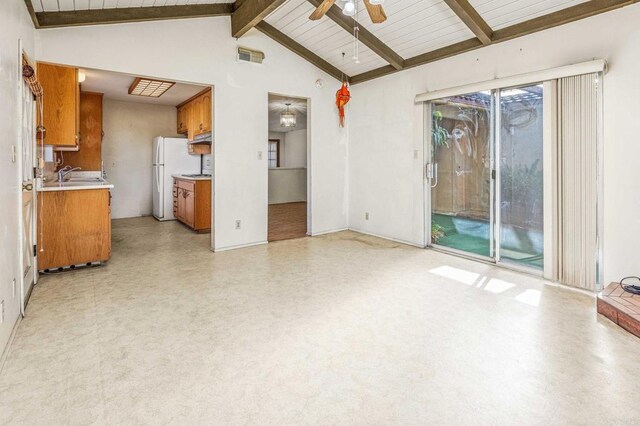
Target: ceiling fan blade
[
  {"x": 376, "y": 12},
  {"x": 321, "y": 10}
]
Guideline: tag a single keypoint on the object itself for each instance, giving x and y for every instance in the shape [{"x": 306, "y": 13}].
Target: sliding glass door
[
  {"x": 461, "y": 189},
  {"x": 520, "y": 171},
  {"x": 485, "y": 174}
]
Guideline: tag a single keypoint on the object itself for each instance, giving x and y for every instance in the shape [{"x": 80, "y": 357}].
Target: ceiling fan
[{"x": 374, "y": 8}]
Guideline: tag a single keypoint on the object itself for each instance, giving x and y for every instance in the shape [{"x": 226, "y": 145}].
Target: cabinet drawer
[{"x": 189, "y": 185}]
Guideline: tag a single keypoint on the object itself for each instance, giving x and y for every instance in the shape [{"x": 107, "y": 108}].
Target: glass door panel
[
  {"x": 520, "y": 150},
  {"x": 460, "y": 173}
]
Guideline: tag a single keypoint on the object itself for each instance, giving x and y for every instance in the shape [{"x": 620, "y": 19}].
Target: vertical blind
[{"x": 577, "y": 181}]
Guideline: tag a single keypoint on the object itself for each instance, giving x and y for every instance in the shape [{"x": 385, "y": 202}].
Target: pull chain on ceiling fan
[{"x": 374, "y": 8}]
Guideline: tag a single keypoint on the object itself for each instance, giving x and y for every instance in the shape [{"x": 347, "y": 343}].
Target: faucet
[{"x": 63, "y": 172}]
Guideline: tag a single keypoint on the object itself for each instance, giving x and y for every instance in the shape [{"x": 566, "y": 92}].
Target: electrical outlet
[
  {"x": 14, "y": 288},
  {"x": 366, "y": 216},
  {"x": 238, "y": 224}
]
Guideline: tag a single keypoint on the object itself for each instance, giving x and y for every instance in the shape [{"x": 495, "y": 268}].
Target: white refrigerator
[{"x": 170, "y": 157}]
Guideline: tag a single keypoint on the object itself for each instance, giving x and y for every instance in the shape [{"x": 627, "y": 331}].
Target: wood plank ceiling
[{"x": 416, "y": 31}]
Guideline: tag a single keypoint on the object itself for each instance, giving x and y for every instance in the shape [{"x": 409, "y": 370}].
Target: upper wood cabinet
[
  {"x": 61, "y": 104},
  {"x": 89, "y": 154},
  {"x": 205, "y": 115},
  {"x": 184, "y": 113},
  {"x": 195, "y": 115}
]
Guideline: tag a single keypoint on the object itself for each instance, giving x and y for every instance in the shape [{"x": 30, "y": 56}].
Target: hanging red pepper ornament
[{"x": 342, "y": 97}]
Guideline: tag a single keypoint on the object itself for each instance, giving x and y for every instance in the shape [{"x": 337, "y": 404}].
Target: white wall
[
  {"x": 386, "y": 127},
  {"x": 206, "y": 54},
  {"x": 277, "y": 135},
  {"x": 287, "y": 185},
  {"x": 129, "y": 129},
  {"x": 295, "y": 149},
  {"x": 15, "y": 24}
]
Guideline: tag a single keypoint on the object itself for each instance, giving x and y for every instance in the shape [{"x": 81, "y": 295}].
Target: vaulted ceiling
[{"x": 415, "y": 32}]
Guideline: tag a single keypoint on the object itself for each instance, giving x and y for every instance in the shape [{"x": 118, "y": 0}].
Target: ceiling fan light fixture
[{"x": 349, "y": 8}]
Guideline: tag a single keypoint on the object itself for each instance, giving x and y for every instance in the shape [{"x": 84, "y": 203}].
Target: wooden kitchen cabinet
[
  {"x": 184, "y": 117},
  {"x": 192, "y": 203},
  {"x": 75, "y": 228},
  {"x": 195, "y": 115},
  {"x": 89, "y": 154},
  {"x": 205, "y": 113},
  {"x": 61, "y": 104}
]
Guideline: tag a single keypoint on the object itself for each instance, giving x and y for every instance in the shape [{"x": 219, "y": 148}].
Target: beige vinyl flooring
[{"x": 338, "y": 329}]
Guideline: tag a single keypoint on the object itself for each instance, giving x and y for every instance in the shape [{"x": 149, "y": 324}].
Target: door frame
[
  {"x": 309, "y": 164},
  {"x": 24, "y": 292}
]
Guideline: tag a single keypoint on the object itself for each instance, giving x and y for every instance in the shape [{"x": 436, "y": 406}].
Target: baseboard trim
[
  {"x": 329, "y": 231},
  {"x": 239, "y": 246},
  {"x": 5, "y": 352},
  {"x": 384, "y": 237}
]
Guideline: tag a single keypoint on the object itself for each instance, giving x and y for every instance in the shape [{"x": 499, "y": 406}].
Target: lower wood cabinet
[
  {"x": 75, "y": 227},
  {"x": 192, "y": 203}
]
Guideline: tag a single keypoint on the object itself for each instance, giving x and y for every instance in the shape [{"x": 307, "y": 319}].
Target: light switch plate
[{"x": 259, "y": 155}]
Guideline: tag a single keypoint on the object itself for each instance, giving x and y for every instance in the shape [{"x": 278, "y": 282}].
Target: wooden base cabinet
[
  {"x": 192, "y": 203},
  {"x": 76, "y": 227}
]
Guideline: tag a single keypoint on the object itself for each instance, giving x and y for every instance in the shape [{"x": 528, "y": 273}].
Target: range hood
[{"x": 204, "y": 138}]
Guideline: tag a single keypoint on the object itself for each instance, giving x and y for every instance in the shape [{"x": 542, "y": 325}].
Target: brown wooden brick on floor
[
  {"x": 621, "y": 307},
  {"x": 287, "y": 221}
]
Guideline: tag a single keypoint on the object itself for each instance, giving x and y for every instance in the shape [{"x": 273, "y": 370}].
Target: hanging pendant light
[
  {"x": 287, "y": 117},
  {"x": 349, "y": 8}
]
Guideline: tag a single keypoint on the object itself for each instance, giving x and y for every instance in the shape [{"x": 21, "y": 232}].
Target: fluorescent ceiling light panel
[{"x": 149, "y": 87}]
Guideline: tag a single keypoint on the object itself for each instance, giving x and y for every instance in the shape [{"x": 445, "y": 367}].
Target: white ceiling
[
  {"x": 323, "y": 37},
  {"x": 277, "y": 104},
  {"x": 502, "y": 13},
  {"x": 62, "y": 5},
  {"x": 116, "y": 86},
  {"x": 413, "y": 27}
]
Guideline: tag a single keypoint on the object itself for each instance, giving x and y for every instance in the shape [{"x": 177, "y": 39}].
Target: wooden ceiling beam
[
  {"x": 471, "y": 19},
  {"x": 32, "y": 13},
  {"x": 545, "y": 22},
  {"x": 300, "y": 50},
  {"x": 366, "y": 37},
  {"x": 249, "y": 13},
  {"x": 129, "y": 14}
]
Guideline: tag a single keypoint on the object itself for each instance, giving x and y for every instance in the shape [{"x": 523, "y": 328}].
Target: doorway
[
  {"x": 287, "y": 148},
  {"x": 485, "y": 172}
]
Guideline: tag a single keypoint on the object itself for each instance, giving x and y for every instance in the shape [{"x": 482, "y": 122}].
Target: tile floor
[{"x": 337, "y": 329}]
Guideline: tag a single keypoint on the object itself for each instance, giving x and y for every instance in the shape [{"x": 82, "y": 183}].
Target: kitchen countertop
[
  {"x": 74, "y": 185},
  {"x": 191, "y": 177}
]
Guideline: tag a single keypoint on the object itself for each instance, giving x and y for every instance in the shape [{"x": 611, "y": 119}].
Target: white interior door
[{"x": 28, "y": 204}]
